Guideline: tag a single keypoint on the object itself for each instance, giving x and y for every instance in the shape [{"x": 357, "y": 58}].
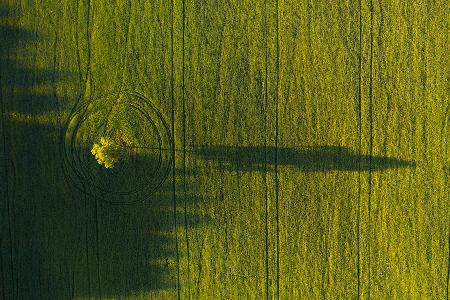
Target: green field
[{"x": 279, "y": 149}]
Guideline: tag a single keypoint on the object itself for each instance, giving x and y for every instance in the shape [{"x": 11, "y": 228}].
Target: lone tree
[{"x": 108, "y": 152}]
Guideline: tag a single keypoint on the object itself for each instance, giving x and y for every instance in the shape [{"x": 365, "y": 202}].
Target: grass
[{"x": 306, "y": 145}]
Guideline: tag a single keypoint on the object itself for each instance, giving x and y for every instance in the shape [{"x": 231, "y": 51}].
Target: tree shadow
[
  {"x": 307, "y": 159},
  {"x": 6, "y": 11},
  {"x": 14, "y": 37},
  {"x": 60, "y": 242}
]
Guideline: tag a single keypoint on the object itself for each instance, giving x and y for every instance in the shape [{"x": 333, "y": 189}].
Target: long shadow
[
  {"x": 57, "y": 242},
  {"x": 308, "y": 159}
]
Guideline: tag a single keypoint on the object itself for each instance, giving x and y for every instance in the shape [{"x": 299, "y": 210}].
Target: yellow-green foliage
[{"x": 107, "y": 152}]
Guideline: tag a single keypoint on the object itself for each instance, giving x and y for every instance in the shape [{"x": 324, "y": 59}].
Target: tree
[{"x": 107, "y": 152}]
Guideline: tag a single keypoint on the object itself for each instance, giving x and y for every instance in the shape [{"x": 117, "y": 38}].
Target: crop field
[{"x": 261, "y": 149}]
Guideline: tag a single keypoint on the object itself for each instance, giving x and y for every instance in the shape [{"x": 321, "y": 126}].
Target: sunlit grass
[{"x": 53, "y": 118}]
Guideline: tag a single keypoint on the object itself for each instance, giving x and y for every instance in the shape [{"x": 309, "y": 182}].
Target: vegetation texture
[
  {"x": 284, "y": 149},
  {"x": 107, "y": 152}
]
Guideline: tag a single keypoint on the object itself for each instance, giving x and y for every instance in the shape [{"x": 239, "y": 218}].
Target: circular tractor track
[{"x": 149, "y": 147}]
